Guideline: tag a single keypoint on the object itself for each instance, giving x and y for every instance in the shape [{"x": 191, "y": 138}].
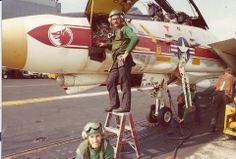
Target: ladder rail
[{"x": 121, "y": 130}]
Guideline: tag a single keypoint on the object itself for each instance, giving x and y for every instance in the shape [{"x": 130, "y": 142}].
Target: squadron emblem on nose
[{"x": 60, "y": 35}]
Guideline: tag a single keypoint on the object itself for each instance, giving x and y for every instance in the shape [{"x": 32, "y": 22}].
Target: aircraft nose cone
[{"x": 14, "y": 46}]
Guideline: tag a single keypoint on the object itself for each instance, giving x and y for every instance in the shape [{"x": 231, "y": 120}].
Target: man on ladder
[{"x": 124, "y": 41}]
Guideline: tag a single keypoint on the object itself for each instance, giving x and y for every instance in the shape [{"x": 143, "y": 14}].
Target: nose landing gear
[{"x": 163, "y": 117}]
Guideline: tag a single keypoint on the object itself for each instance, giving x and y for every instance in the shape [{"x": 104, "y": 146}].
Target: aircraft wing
[{"x": 226, "y": 50}]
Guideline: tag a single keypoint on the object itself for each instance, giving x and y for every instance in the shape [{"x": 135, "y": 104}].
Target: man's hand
[
  {"x": 102, "y": 44},
  {"x": 179, "y": 120},
  {"x": 123, "y": 57}
]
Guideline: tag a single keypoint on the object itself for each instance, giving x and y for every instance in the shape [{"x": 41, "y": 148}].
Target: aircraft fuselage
[{"x": 57, "y": 44}]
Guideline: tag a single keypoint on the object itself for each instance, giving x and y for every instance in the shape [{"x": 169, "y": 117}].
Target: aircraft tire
[
  {"x": 150, "y": 114},
  {"x": 165, "y": 116}
]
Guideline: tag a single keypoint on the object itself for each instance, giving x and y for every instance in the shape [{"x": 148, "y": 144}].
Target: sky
[{"x": 220, "y": 15}]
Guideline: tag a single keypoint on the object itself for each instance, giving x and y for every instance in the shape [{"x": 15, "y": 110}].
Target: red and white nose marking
[{"x": 46, "y": 43}]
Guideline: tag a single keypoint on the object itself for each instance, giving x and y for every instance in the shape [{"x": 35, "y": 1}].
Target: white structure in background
[{"x": 18, "y": 8}]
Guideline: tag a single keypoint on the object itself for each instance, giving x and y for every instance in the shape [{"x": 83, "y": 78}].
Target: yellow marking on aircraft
[
  {"x": 91, "y": 15},
  {"x": 158, "y": 50},
  {"x": 105, "y": 6},
  {"x": 14, "y": 46},
  {"x": 142, "y": 48},
  {"x": 195, "y": 61},
  {"x": 163, "y": 58},
  {"x": 149, "y": 34}
]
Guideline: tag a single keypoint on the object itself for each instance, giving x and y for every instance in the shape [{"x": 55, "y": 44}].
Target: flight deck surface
[{"x": 41, "y": 121}]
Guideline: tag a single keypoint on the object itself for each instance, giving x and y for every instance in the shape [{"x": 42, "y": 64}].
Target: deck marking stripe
[
  {"x": 46, "y": 99},
  {"x": 53, "y": 98},
  {"x": 28, "y": 85}
]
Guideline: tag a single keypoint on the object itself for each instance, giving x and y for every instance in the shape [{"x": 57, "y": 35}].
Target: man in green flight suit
[
  {"x": 94, "y": 145},
  {"x": 123, "y": 42}
]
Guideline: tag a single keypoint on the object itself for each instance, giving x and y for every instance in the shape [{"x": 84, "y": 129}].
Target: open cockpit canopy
[
  {"x": 105, "y": 6},
  {"x": 182, "y": 10}
]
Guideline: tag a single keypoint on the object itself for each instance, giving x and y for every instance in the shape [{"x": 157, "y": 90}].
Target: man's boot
[
  {"x": 109, "y": 109},
  {"x": 121, "y": 110}
]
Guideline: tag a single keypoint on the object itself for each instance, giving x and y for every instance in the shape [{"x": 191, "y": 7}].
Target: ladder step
[
  {"x": 120, "y": 114},
  {"x": 113, "y": 130},
  {"x": 126, "y": 132},
  {"x": 127, "y": 127}
]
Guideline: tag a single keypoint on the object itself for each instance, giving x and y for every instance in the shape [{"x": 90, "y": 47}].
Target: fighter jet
[{"x": 173, "y": 47}]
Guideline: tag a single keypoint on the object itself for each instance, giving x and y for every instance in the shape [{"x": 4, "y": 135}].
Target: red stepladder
[{"x": 122, "y": 126}]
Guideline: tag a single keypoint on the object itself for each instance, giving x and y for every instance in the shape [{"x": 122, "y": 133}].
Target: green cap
[
  {"x": 93, "y": 128},
  {"x": 115, "y": 12}
]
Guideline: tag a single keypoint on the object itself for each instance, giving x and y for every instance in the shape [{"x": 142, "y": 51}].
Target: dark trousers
[
  {"x": 123, "y": 73},
  {"x": 220, "y": 100},
  {"x": 197, "y": 116},
  {"x": 181, "y": 109},
  {"x": 206, "y": 93}
]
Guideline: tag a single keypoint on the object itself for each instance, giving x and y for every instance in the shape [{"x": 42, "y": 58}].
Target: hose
[{"x": 183, "y": 137}]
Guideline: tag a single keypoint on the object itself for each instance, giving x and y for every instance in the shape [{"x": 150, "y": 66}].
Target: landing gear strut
[
  {"x": 164, "y": 116},
  {"x": 159, "y": 112}
]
